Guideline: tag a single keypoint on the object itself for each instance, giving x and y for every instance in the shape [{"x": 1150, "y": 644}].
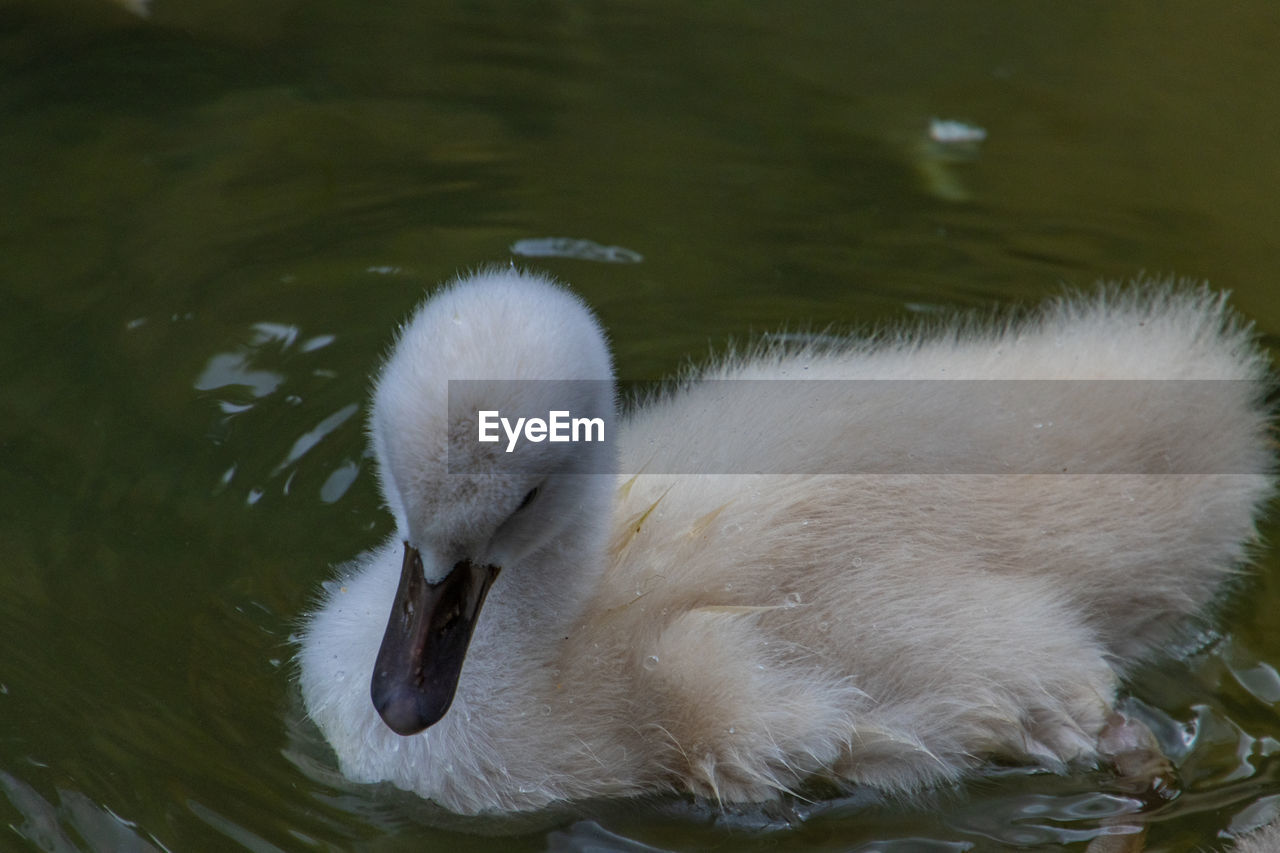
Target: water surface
[{"x": 216, "y": 215}]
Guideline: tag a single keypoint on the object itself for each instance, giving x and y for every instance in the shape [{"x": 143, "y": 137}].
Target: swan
[{"x": 888, "y": 584}]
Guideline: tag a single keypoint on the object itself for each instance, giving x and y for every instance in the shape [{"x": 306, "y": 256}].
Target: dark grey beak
[{"x": 430, "y": 626}]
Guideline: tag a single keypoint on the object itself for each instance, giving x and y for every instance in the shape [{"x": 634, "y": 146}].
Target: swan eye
[{"x": 528, "y": 499}]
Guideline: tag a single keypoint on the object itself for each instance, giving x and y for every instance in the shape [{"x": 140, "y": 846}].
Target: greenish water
[{"x": 214, "y": 218}]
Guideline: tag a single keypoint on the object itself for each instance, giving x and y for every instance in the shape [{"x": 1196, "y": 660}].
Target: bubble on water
[{"x": 651, "y": 661}]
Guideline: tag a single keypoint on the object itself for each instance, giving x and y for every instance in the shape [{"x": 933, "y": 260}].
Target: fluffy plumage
[
  {"x": 734, "y": 634},
  {"x": 1263, "y": 840}
]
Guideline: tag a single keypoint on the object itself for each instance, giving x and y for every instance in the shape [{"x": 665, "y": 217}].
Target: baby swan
[{"x": 881, "y": 583}]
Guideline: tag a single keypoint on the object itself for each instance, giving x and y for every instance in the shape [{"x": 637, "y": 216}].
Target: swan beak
[{"x": 430, "y": 626}]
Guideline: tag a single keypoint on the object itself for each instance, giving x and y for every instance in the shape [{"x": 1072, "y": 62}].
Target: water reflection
[
  {"x": 227, "y": 369},
  {"x": 567, "y": 247},
  {"x": 45, "y": 825},
  {"x": 312, "y": 437},
  {"x": 233, "y": 831},
  {"x": 277, "y": 365}
]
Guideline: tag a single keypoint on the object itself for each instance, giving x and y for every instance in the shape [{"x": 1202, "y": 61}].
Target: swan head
[{"x": 506, "y": 342}]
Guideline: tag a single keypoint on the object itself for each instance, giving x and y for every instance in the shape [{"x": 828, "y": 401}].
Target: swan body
[{"x": 879, "y": 590}]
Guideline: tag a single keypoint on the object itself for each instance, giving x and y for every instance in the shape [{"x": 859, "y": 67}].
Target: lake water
[{"x": 215, "y": 216}]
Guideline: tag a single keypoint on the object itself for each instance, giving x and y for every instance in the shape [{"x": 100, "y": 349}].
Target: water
[{"x": 214, "y": 218}]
